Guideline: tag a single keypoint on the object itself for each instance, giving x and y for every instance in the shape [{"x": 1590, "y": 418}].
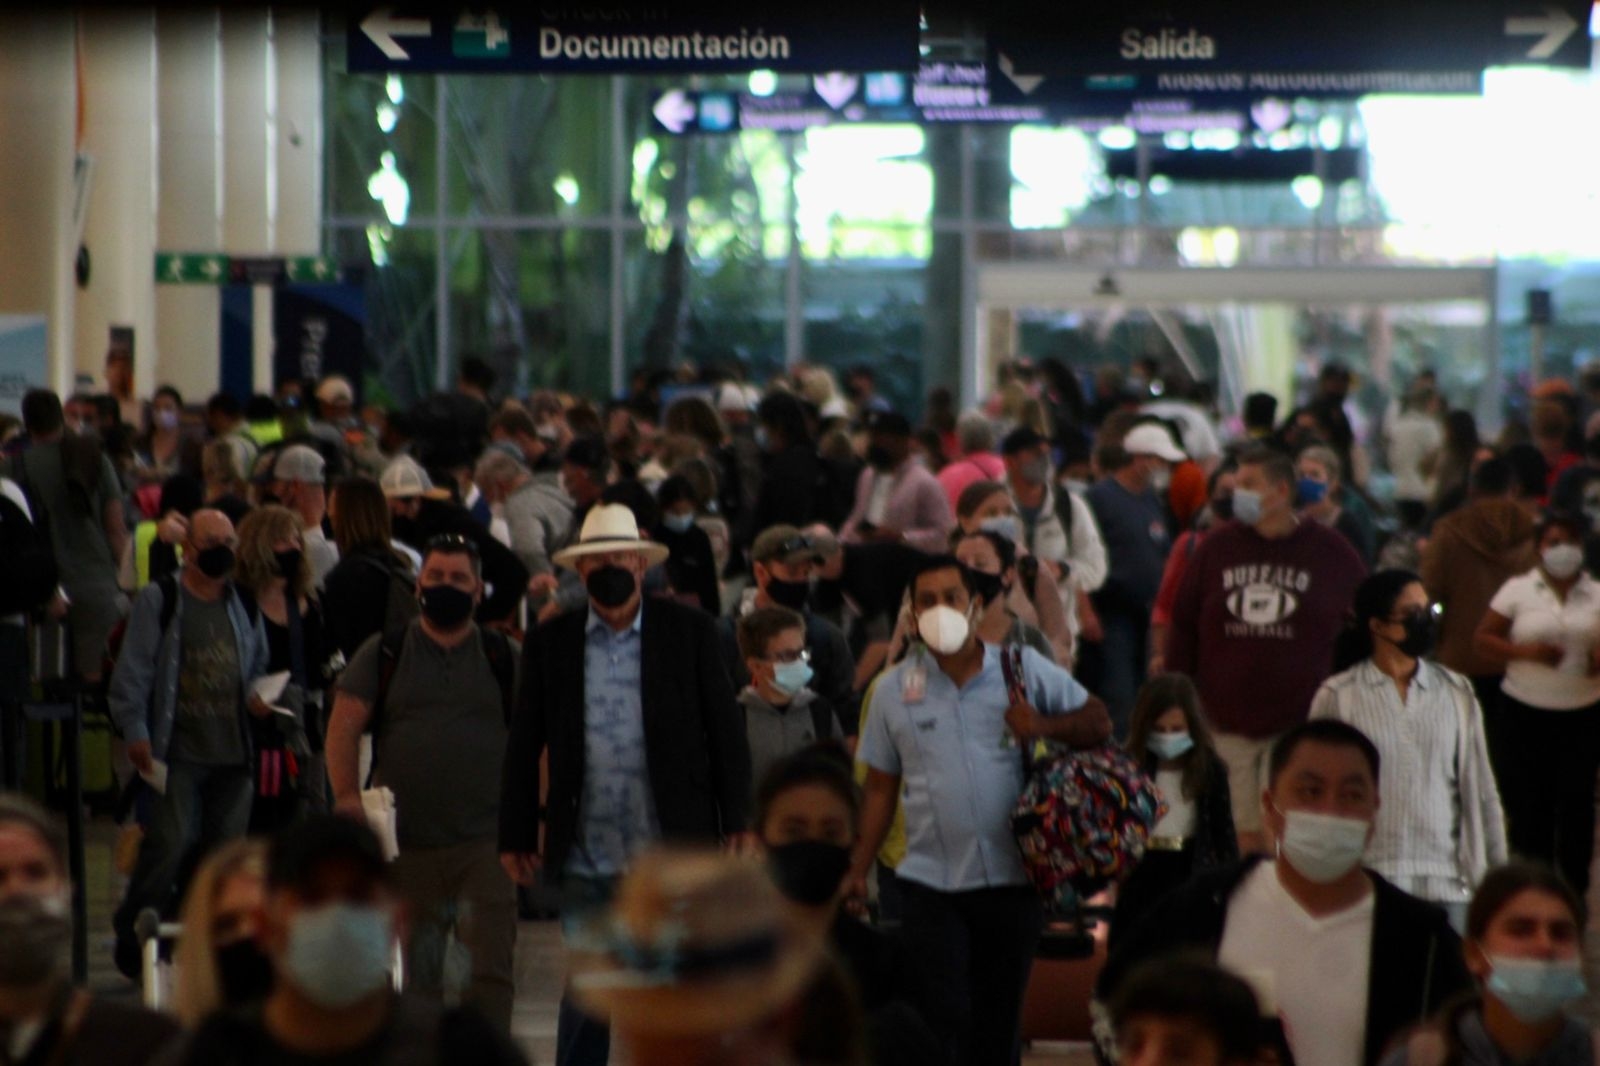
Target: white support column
[
  {"x": 189, "y": 191},
  {"x": 38, "y": 84},
  {"x": 119, "y": 116},
  {"x": 297, "y": 56},
  {"x": 248, "y": 142}
]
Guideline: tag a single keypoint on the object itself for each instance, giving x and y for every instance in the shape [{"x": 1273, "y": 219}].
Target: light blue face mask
[
  {"x": 1169, "y": 745},
  {"x": 790, "y": 678},
  {"x": 1535, "y": 990},
  {"x": 1247, "y": 506},
  {"x": 338, "y": 954},
  {"x": 1005, "y": 525},
  {"x": 679, "y": 523}
]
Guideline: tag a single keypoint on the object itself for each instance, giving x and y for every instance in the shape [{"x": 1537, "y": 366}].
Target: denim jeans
[
  {"x": 581, "y": 1040},
  {"x": 1124, "y": 655},
  {"x": 204, "y": 806}
]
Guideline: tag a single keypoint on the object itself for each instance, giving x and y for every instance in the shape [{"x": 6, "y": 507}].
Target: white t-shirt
[
  {"x": 1538, "y": 617},
  {"x": 1313, "y": 971},
  {"x": 1179, "y": 819}
]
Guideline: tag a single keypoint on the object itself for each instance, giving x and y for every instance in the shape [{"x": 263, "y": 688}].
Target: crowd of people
[{"x": 741, "y": 682}]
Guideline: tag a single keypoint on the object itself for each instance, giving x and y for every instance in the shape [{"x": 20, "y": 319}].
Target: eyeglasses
[
  {"x": 801, "y": 656},
  {"x": 451, "y": 543}
]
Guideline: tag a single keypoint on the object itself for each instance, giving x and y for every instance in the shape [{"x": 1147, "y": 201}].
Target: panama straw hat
[
  {"x": 695, "y": 942},
  {"x": 610, "y": 527}
]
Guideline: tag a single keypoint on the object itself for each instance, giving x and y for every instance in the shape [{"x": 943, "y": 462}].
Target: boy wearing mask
[{"x": 782, "y": 714}]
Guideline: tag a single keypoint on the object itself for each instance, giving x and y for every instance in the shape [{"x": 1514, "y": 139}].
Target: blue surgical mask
[
  {"x": 1005, "y": 525},
  {"x": 1169, "y": 745},
  {"x": 338, "y": 954},
  {"x": 790, "y": 678},
  {"x": 679, "y": 523},
  {"x": 1247, "y": 506},
  {"x": 1535, "y": 990},
  {"x": 1309, "y": 491}
]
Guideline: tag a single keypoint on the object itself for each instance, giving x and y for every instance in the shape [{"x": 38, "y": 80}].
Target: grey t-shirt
[
  {"x": 441, "y": 740},
  {"x": 209, "y": 729}
]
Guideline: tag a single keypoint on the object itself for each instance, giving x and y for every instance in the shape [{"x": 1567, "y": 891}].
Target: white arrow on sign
[
  {"x": 381, "y": 28},
  {"x": 1553, "y": 28},
  {"x": 674, "y": 110},
  {"x": 836, "y": 89},
  {"x": 1024, "y": 82},
  {"x": 211, "y": 268}
]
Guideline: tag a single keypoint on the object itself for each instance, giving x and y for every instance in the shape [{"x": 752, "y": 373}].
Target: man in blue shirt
[
  {"x": 941, "y": 738},
  {"x": 630, "y": 700}
]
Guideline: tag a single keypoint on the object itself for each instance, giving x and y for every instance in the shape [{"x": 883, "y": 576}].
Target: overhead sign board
[
  {"x": 701, "y": 37},
  {"x": 191, "y": 268},
  {"x": 1372, "y": 45}
]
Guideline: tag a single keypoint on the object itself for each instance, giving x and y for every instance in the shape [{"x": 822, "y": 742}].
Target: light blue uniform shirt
[
  {"x": 617, "y": 813},
  {"x": 959, "y": 778}
]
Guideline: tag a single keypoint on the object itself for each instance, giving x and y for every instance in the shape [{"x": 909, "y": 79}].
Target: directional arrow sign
[
  {"x": 382, "y": 27},
  {"x": 674, "y": 110},
  {"x": 182, "y": 268},
  {"x": 1024, "y": 82},
  {"x": 836, "y": 89},
  {"x": 1553, "y": 27}
]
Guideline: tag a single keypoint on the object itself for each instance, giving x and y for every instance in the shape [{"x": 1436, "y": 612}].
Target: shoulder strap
[
  {"x": 168, "y": 584},
  {"x": 389, "y": 648},
  {"x": 1063, "y": 501},
  {"x": 821, "y": 718},
  {"x": 497, "y": 647}
]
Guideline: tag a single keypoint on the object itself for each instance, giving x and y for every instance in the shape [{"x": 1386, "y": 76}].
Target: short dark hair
[
  {"x": 1112, "y": 457},
  {"x": 224, "y": 404},
  {"x": 476, "y": 371},
  {"x": 827, "y": 765},
  {"x": 514, "y": 420},
  {"x": 1260, "y": 410},
  {"x": 1194, "y": 989},
  {"x": 454, "y": 544},
  {"x": 1504, "y": 882},
  {"x": 1531, "y": 470},
  {"x": 589, "y": 453},
  {"x": 296, "y": 854},
  {"x": 636, "y": 498},
  {"x": 1575, "y": 525},
  {"x": 932, "y": 563},
  {"x": 1003, "y": 547},
  {"x": 1277, "y": 467},
  {"x": 758, "y": 628},
  {"x": 41, "y": 412},
  {"x": 1329, "y": 731},
  {"x": 675, "y": 489},
  {"x": 1493, "y": 477}
]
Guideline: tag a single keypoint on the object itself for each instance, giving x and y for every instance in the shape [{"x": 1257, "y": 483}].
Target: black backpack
[{"x": 28, "y": 572}]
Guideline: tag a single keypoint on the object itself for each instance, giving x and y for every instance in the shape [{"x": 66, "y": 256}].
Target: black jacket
[
  {"x": 356, "y": 597},
  {"x": 788, "y": 488},
  {"x": 1416, "y": 966},
  {"x": 698, "y": 757}
]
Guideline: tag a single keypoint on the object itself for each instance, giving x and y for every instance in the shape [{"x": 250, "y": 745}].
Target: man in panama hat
[{"x": 629, "y": 698}]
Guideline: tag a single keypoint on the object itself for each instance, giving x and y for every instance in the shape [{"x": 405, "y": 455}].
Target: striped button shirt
[{"x": 1439, "y": 823}]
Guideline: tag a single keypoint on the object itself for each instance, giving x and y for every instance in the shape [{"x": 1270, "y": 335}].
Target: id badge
[{"x": 914, "y": 682}]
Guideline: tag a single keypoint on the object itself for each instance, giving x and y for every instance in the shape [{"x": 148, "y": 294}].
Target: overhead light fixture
[{"x": 1107, "y": 286}]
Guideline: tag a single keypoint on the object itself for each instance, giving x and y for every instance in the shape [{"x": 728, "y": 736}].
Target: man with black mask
[
  {"x": 644, "y": 736},
  {"x": 43, "y": 1019},
  {"x": 436, "y": 702},
  {"x": 783, "y": 564},
  {"x": 179, "y": 696}
]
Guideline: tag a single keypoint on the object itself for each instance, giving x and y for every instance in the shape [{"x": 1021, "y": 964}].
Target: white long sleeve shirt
[{"x": 1439, "y": 826}]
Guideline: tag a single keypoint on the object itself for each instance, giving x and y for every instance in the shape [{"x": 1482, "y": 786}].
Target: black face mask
[
  {"x": 288, "y": 563},
  {"x": 1222, "y": 508},
  {"x": 809, "y": 871},
  {"x": 880, "y": 457},
  {"x": 445, "y": 605},
  {"x": 245, "y": 972},
  {"x": 985, "y": 586},
  {"x": 215, "y": 562},
  {"x": 1420, "y": 632},
  {"x": 790, "y": 594},
  {"x": 611, "y": 586}
]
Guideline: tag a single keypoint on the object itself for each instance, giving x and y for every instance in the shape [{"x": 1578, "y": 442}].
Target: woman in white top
[
  {"x": 1545, "y": 625},
  {"x": 1439, "y": 827}
]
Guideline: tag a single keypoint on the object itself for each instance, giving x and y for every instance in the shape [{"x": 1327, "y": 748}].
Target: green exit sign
[
  {"x": 310, "y": 268},
  {"x": 185, "y": 268}
]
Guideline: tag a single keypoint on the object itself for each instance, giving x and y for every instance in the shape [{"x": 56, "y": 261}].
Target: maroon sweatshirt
[{"x": 1255, "y": 620}]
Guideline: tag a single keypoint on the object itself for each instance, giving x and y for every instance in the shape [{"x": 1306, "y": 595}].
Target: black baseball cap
[
  {"x": 1021, "y": 439},
  {"x": 587, "y": 452},
  {"x": 299, "y": 851}
]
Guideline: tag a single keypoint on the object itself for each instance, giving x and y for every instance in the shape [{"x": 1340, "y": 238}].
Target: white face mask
[
  {"x": 1322, "y": 847},
  {"x": 1562, "y": 561},
  {"x": 1160, "y": 479},
  {"x": 943, "y": 629}
]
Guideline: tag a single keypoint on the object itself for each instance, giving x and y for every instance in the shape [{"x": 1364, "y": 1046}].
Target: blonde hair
[
  {"x": 256, "y": 566},
  {"x": 224, "y": 460},
  {"x": 199, "y": 984}
]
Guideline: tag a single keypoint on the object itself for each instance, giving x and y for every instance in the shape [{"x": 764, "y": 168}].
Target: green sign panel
[
  {"x": 182, "y": 268},
  {"x": 310, "y": 268}
]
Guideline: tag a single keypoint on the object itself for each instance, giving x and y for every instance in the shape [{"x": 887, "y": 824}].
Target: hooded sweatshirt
[{"x": 1471, "y": 554}]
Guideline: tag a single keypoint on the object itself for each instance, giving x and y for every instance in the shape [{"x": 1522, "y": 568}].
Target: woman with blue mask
[
  {"x": 692, "y": 566},
  {"x": 1320, "y": 494},
  {"x": 1169, "y": 737},
  {"x": 1523, "y": 947}
]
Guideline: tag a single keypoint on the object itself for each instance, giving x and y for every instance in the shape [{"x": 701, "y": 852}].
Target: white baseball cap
[
  {"x": 404, "y": 478},
  {"x": 1150, "y": 439}
]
